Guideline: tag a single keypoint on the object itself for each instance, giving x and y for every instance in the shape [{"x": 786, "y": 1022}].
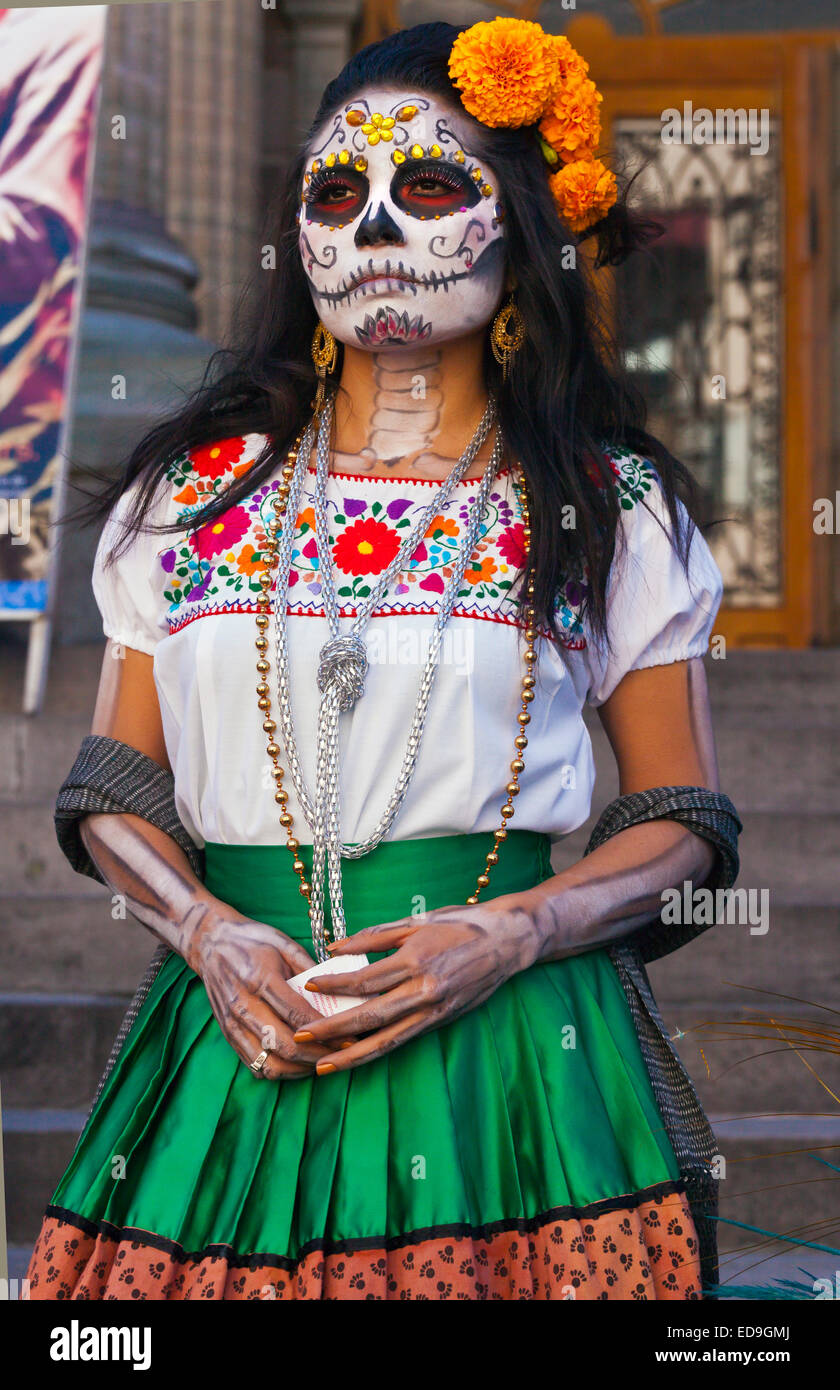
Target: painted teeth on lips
[{"x": 388, "y": 272}]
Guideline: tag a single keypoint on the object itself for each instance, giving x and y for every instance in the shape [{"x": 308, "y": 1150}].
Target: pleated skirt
[{"x": 515, "y": 1153}]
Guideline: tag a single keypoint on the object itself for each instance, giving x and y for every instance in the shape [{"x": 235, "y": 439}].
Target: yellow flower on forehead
[
  {"x": 583, "y": 191},
  {"x": 506, "y": 71}
]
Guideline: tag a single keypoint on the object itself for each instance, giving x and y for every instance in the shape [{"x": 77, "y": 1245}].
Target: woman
[{"x": 485, "y": 539}]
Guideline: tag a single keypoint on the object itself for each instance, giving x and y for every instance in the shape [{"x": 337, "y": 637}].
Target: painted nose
[{"x": 378, "y": 227}]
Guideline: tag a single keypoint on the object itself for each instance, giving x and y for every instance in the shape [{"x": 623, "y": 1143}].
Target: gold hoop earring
[
  {"x": 325, "y": 356},
  {"x": 507, "y": 334}
]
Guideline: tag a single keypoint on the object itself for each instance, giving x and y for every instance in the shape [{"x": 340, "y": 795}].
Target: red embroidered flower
[
  {"x": 366, "y": 547},
  {"x": 220, "y": 534},
  {"x": 512, "y": 545},
  {"x": 211, "y": 460},
  {"x": 591, "y": 470}
]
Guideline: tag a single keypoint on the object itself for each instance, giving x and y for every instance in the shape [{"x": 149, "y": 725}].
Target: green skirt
[{"x": 516, "y": 1152}]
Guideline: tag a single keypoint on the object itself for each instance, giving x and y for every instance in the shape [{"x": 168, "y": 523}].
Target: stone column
[
  {"x": 322, "y": 32},
  {"x": 215, "y": 118}
]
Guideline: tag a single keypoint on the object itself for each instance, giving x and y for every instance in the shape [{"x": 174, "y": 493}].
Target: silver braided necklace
[{"x": 343, "y": 659}]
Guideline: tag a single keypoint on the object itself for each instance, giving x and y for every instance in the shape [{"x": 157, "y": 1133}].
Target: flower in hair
[
  {"x": 509, "y": 72},
  {"x": 583, "y": 191},
  {"x": 573, "y": 67},
  {"x": 506, "y": 71},
  {"x": 572, "y": 122}
]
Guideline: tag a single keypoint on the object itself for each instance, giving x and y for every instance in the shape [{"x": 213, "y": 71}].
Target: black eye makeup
[
  {"x": 336, "y": 195},
  {"x": 426, "y": 187}
]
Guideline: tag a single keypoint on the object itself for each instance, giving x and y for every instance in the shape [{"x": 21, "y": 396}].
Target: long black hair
[{"x": 566, "y": 395}]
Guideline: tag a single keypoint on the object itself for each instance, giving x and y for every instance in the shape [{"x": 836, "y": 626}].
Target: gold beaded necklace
[{"x": 281, "y": 796}]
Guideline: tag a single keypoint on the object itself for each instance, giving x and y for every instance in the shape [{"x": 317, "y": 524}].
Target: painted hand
[
  {"x": 444, "y": 964},
  {"x": 244, "y": 966}
]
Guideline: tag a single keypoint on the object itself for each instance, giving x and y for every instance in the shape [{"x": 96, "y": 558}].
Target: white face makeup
[{"x": 401, "y": 233}]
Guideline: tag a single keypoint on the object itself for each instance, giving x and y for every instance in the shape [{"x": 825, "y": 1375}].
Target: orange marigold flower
[
  {"x": 572, "y": 122},
  {"x": 573, "y": 67},
  {"x": 584, "y": 191},
  {"x": 506, "y": 70}
]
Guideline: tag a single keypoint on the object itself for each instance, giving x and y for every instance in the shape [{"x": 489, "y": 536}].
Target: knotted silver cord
[{"x": 343, "y": 660}]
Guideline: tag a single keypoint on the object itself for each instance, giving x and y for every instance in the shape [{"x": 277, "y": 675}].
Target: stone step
[
  {"x": 73, "y": 943},
  {"x": 789, "y": 771},
  {"x": 797, "y": 955},
  {"x": 71, "y": 685},
  {"x": 793, "y": 857},
  {"x": 773, "y": 722},
  {"x": 31, "y": 861},
  {"x": 35, "y": 1158},
  {"x": 778, "y": 688},
  {"x": 782, "y": 1192},
  {"x": 740, "y": 1068},
  {"x": 53, "y": 1048},
  {"x": 742, "y": 1071},
  {"x": 36, "y": 755},
  {"x": 749, "y": 684}
]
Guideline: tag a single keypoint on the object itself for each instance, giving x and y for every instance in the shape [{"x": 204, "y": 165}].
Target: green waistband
[{"x": 399, "y": 878}]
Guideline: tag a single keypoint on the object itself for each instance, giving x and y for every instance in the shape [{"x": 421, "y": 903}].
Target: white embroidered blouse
[{"x": 190, "y": 600}]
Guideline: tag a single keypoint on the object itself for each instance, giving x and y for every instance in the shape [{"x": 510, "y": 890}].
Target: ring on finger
[{"x": 258, "y": 1063}]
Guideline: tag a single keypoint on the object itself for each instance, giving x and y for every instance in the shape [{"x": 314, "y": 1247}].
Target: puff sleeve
[
  {"x": 128, "y": 591},
  {"x": 657, "y": 610}
]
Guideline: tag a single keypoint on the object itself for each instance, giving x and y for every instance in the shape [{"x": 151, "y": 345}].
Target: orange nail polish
[
  {"x": 310, "y": 984},
  {"x": 304, "y": 1036},
  {"x": 324, "y": 1068},
  {"x": 348, "y": 1043}
]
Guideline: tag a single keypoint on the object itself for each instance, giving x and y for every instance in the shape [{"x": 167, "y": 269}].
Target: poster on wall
[{"x": 50, "y": 61}]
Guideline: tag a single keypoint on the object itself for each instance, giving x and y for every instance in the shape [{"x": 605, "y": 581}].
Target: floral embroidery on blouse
[{"x": 216, "y": 568}]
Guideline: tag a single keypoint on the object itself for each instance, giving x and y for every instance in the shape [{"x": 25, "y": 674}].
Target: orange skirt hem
[{"x": 643, "y": 1251}]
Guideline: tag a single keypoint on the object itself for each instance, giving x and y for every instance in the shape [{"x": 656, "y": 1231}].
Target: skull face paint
[{"x": 401, "y": 229}]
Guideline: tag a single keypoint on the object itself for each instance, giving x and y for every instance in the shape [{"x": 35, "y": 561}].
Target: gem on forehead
[
  {"x": 486, "y": 189},
  {"x": 459, "y": 156},
  {"x": 398, "y": 157},
  {"x": 330, "y": 160},
  {"x": 416, "y": 151},
  {"x": 378, "y": 127},
  {"x": 344, "y": 157},
  {"x": 405, "y": 113},
  {"x": 360, "y": 164},
  {"x": 356, "y": 117},
  {"x": 477, "y": 175},
  {"x": 316, "y": 164},
  {"x": 435, "y": 151}
]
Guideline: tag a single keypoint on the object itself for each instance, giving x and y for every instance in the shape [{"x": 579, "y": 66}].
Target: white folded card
[{"x": 329, "y": 1004}]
